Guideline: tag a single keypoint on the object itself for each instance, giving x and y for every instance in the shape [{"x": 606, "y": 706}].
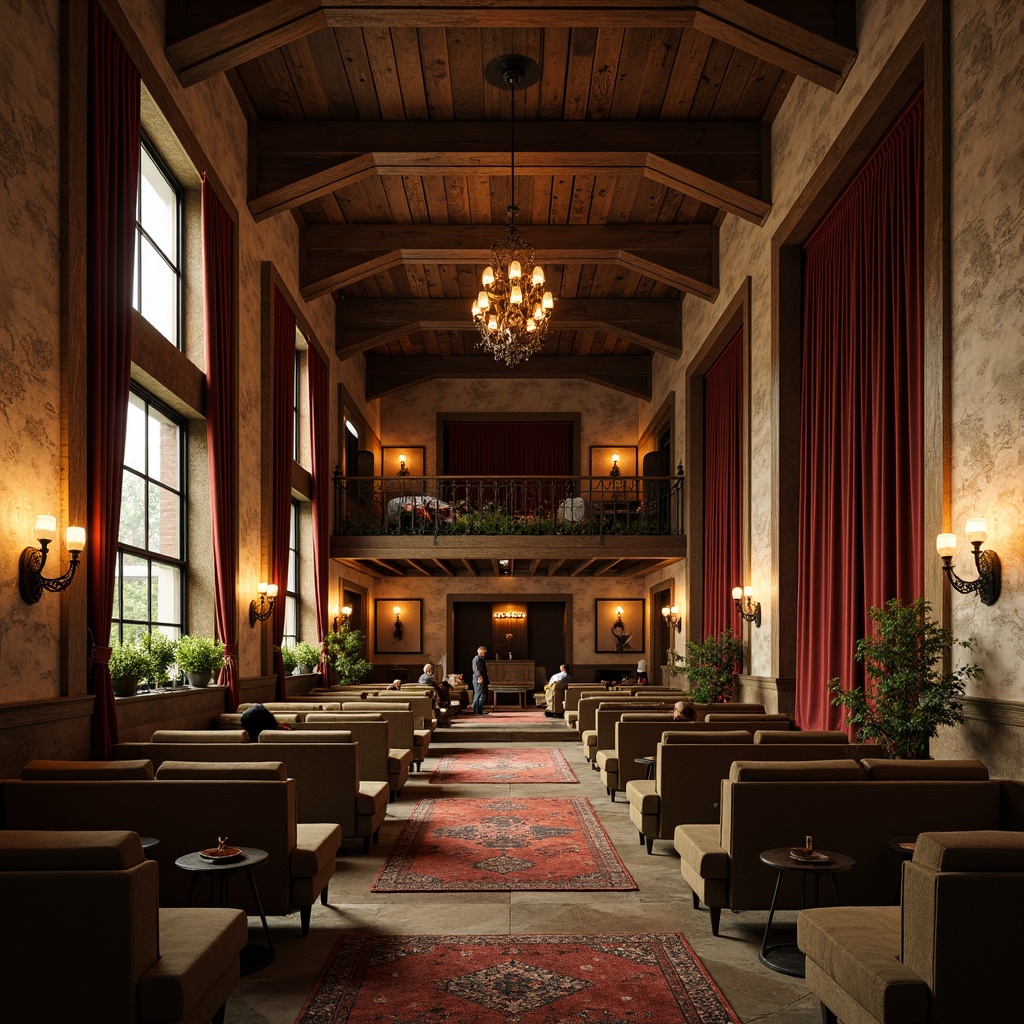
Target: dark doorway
[
  {"x": 472, "y": 627},
  {"x": 661, "y": 634},
  {"x": 357, "y": 620}
]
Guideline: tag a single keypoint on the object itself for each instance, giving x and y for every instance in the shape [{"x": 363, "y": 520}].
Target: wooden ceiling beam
[
  {"x": 470, "y": 567},
  {"x": 629, "y": 374},
  {"x": 724, "y": 163},
  {"x": 555, "y": 566},
  {"x": 815, "y": 41},
  {"x": 683, "y": 256},
  {"x": 443, "y": 566},
  {"x": 363, "y": 324},
  {"x": 585, "y": 564}
]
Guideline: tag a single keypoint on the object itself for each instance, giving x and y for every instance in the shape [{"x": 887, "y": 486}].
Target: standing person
[{"x": 480, "y": 680}]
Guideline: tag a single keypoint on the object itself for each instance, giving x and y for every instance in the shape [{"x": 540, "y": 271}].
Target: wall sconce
[
  {"x": 988, "y": 583},
  {"x": 399, "y": 627},
  {"x": 615, "y": 466},
  {"x": 672, "y": 618},
  {"x": 31, "y": 581},
  {"x": 402, "y": 470},
  {"x": 346, "y": 611},
  {"x": 749, "y": 609},
  {"x": 262, "y": 611}
]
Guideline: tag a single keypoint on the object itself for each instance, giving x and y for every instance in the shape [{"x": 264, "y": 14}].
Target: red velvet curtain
[
  {"x": 861, "y": 520},
  {"x": 318, "y": 377},
  {"x": 281, "y": 480},
  {"x": 509, "y": 449},
  {"x": 112, "y": 183},
  {"x": 221, "y": 443},
  {"x": 723, "y": 488}
]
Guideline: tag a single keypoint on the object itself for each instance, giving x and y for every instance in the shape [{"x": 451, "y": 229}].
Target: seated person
[
  {"x": 437, "y": 697},
  {"x": 256, "y": 718},
  {"x": 684, "y": 711},
  {"x": 554, "y": 692},
  {"x": 396, "y": 684}
]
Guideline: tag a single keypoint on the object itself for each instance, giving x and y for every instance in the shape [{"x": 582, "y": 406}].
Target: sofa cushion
[
  {"x": 698, "y": 846},
  {"x": 987, "y": 850},
  {"x": 141, "y": 768},
  {"x": 779, "y": 721},
  {"x": 316, "y": 846},
  {"x": 795, "y": 771},
  {"x": 197, "y": 947},
  {"x": 644, "y": 794},
  {"x": 305, "y": 736},
  {"x": 315, "y": 717},
  {"x": 44, "y": 850},
  {"x": 859, "y": 949},
  {"x": 222, "y": 770},
  {"x": 884, "y": 768},
  {"x": 372, "y": 796},
  {"x": 200, "y": 736},
  {"x": 807, "y": 736},
  {"x": 699, "y": 736},
  {"x": 646, "y": 716}
]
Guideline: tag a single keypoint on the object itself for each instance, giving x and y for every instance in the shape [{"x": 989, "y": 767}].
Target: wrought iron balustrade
[{"x": 498, "y": 506}]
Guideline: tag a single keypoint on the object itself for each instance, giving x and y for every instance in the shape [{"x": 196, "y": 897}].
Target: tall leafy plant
[
  {"x": 344, "y": 648},
  {"x": 907, "y": 695},
  {"x": 710, "y": 666}
]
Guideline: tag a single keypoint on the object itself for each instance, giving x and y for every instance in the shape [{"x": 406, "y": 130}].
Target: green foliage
[
  {"x": 162, "y": 653},
  {"x": 710, "y": 666},
  {"x": 129, "y": 659},
  {"x": 907, "y": 696},
  {"x": 307, "y": 655},
  {"x": 344, "y": 649},
  {"x": 288, "y": 658},
  {"x": 199, "y": 653}
]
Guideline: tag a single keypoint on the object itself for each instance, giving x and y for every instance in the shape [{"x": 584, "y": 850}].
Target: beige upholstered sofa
[
  {"x": 82, "y": 937},
  {"x": 326, "y": 770},
  {"x": 372, "y": 732},
  {"x": 687, "y": 786},
  {"x": 767, "y": 804},
  {"x": 929, "y": 960},
  {"x": 253, "y": 804},
  {"x": 404, "y": 732},
  {"x": 634, "y": 734}
]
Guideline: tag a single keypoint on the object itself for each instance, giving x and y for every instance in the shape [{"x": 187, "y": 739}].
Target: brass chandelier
[{"x": 513, "y": 309}]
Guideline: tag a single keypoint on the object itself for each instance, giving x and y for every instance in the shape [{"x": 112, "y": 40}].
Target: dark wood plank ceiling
[{"x": 373, "y": 125}]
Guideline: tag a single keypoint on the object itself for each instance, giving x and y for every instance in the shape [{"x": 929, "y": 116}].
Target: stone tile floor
[{"x": 662, "y": 903}]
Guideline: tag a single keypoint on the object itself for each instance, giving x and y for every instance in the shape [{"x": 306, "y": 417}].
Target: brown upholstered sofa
[
  {"x": 404, "y": 732},
  {"x": 253, "y": 804},
  {"x": 846, "y": 808},
  {"x": 929, "y": 960},
  {"x": 82, "y": 937},
  {"x": 372, "y": 732},
  {"x": 326, "y": 770},
  {"x": 687, "y": 786}
]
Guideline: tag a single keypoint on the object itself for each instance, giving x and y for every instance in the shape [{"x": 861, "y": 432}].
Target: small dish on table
[
  {"x": 221, "y": 853},
  {"x": 806, "y": 856}
]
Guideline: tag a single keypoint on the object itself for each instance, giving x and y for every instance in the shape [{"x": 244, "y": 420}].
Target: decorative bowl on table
[
  {"x": 221, "y": 853},
  {"x": 808, "y": 856}
]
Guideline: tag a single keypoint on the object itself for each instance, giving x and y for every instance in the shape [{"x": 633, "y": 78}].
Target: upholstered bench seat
[{"x": 859, "y": 949}]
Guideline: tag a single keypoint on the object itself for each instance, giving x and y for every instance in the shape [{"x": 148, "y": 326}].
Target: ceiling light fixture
[{"x": 512, "y": 309}]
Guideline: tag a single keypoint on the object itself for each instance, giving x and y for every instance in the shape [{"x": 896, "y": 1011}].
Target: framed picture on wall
[
  {"x": 619, "y": 625},
  {"x": 398, "y": 625}
]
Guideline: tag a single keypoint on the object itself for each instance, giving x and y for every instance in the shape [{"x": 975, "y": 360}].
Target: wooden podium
[{"x": 518, "y": 671}]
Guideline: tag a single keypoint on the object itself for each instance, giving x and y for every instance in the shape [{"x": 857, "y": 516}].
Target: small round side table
[
  {"x": 253, "y": 957},
  {"x": 649, "y": 763},
  {"x": 786, "y": 957}
]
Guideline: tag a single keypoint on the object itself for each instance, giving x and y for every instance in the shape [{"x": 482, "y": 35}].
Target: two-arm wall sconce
[
  {"x": 672, "y": 618},
  {"x": 31, "y": 581},
  {"x": 399, "y": 627},
  {"x": 262, "y": 611},
  {"x": 988, "y": 583},
  {"x": 749, "y": 609}
]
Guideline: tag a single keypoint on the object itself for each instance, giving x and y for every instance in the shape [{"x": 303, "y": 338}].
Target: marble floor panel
[{"x": 662, "y": 903}]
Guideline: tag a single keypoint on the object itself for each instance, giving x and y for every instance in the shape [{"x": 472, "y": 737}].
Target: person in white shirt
[{"x": 554, "y": 692}]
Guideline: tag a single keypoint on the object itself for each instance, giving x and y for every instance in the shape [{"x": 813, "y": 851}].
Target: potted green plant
[
  {"x": 906, "y": 695},
  {"x": 161, "y": 650},
  {"x": 307, "y": 657},
  {"x": 129, "y": 662},
  {"x": 710, "y": 666},
  {"x": 345, "y": 648},
  {"x": 199, "y": 657},
  {"x": 288, "y": 659}
]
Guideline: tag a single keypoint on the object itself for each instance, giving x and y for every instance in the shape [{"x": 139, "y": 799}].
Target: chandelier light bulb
[
  {"x": 515, "y": 271},
  {"x": 516, "y": 295},
  {"x": 538, "y": 275},
  {"x": 492, "y": 324},
  {"x": 476, "y": 310},
  {"x": 487, "y": 278},
  {"x": 531, "y": 325},
  {"x": 548, "y": 301}
]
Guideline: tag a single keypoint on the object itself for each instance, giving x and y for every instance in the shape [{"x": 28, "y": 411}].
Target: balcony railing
[{"x": 498, "y": 506}]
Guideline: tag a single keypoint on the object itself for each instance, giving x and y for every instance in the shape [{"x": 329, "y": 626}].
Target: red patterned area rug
[
  {"x": 507, "y": 764},
  {"x": 528, "y": 845},
  {"x": 528, "y": 979}
]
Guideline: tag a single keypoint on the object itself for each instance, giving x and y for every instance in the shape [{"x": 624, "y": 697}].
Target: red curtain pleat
[
  {"x": 218, "y": 324},
  {"x": 509, "y": 449},
  {"x": 723, "y": 488},
  {"x": 318, "y": 378},
  {"x": 112, "y": 184},
  {"x": 281, "y": 479},
  {"x": 861, "y": 518}
]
